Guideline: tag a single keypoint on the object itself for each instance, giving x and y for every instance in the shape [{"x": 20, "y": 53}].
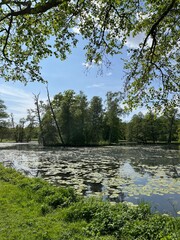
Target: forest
[{"x": 71, "y": 119}]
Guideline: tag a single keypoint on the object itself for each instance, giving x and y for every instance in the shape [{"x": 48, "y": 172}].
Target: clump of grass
[
  {"x": 39, "y": 190},
  {"x": 32, "y": 209}
]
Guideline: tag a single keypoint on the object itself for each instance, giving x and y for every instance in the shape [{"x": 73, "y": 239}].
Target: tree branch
[
  {"x": 153, "y": 29},
  {"x": 152, "y": 33},
  {"x": 7, "y": 37},
  {"x": 15, "y": 2},
  {"x": 39, "y": 8}
]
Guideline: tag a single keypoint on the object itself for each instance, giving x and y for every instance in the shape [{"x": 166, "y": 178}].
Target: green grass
[{"x": 32, "y": 209}]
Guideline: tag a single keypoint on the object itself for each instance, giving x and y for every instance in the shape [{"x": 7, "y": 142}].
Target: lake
[{"x": 115, "y": 173}]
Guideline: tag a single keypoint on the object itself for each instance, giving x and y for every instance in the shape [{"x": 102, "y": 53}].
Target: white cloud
[
  {"x": 96, "y": 85},
  {"x": 76, "y": 30},
  {"x": 16, "y": 100},
  {"x": 12, "y": 92},
  {"x": 134, "y": 41},
  {"x": 109, "y": 74}
]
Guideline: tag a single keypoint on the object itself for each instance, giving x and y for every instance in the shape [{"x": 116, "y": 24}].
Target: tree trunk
[
  {"x": 54, "y": 117},
  {"x": 36, "y": 98}
]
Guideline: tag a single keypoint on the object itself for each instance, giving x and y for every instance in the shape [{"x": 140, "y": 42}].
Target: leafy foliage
[
  {"x": 3, "y": 113},
  {"x": 112, "y": 117},
  {"x": 121, "y": 221},
  {"x": 3, "y": 123},
  {"x": 153, "y": 128},
  {"x": 82, "y": 122},
  {"x": 27, "y": 211},
  {"x": 37, "y": 29}
]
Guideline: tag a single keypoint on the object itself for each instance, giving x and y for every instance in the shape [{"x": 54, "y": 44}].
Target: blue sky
[{"x": 64, "y": 75}]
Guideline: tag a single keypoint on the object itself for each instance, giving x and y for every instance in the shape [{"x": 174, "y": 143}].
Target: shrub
[{"x": 84, "y": 209}]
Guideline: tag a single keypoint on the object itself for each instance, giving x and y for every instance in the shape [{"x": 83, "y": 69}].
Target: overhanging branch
[
  {"x": 153, "y": 29},
  {"x": 7, "y": 37},
  {"x": 37, "y": 9},
  {"x": 152, "y": 33}
]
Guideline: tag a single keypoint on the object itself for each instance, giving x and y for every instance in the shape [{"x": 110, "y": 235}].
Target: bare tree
[{"x": 36, "y": 101}]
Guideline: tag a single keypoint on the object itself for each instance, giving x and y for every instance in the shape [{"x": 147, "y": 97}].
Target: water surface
[{"x": 115, "y": 173}]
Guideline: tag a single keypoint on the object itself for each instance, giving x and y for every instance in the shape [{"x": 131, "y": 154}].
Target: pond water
[{"x": 115, "y": 173}]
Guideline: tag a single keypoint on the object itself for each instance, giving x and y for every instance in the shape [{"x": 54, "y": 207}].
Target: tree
[
  {"x": 50, "y": 133},
  {"x": 63, "y": 105},
  {"x": 80, "y": 116},
  {"x": 172, "y": 129},
  {"x": 31, "y": 128},
  {"x": 95, "y": 118},
  {"x": 39, "y": 112},
  {"x": 151, "y": 126},
  {"x": 152, "y": 68},
  {"x": 136, "y": 131},
  {"x": 112, "y": 114},
  {"x": 3, "y": 122},
  {"x": 179, "y": 133},
  {"x": 3, "y": 114},
  {"x": 19, "y": 131}
]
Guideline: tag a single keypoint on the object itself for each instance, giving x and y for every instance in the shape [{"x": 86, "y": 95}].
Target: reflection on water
[
  {"x": 118, "y": 173},
  {"x": 166, "y": 203}
]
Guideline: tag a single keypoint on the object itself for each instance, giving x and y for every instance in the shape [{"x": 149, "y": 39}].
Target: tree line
[{"x": 72, "y": 119}]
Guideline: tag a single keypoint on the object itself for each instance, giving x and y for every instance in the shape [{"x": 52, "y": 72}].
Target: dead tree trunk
[
  {"x": 54, "y": 118},
  {"x": 36, "y": 98}
]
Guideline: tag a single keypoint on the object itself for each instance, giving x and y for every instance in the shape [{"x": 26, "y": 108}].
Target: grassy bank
[{"x": 32, "y": 209}]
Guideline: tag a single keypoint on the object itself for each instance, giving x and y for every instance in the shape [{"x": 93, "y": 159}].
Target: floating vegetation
[{"x": 115, "y": 173}]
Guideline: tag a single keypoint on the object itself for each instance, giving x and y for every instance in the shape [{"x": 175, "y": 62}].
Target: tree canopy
[
  {"x": 36, "y": 29},
  {"x": 73, "y": 120}
]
